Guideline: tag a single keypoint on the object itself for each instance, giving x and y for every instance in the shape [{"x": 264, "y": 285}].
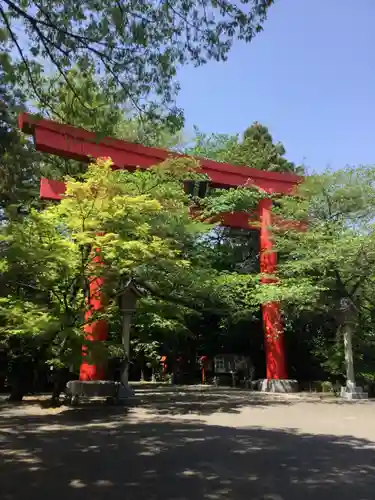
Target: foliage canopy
[{"x": 135, "y": 47}]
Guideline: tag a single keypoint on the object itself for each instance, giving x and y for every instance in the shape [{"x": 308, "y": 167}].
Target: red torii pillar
[
  {"x": 74, "y": 143},
  {"x": 271, "y": 314},
  {"x": 97, "y": 330}
]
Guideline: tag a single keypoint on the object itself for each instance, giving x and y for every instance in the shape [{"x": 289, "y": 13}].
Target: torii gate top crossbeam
[{"x": 78, "y": 144}]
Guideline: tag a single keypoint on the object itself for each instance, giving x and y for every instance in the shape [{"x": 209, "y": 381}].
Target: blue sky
[{"x": 310, "y": 77}]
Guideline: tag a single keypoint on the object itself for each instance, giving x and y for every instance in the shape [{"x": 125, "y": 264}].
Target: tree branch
[{"x": 26, "y": 63}]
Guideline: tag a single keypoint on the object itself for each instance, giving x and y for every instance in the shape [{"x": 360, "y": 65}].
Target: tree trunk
[
  {"x": 17, "y": 393},
  {"x": 60, "y": 378},
  {"x": 22, "y": 374}
]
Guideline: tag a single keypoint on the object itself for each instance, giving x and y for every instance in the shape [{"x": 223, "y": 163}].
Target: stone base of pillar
[
  {"x": 77, "y": 389},
  {"x": 125, "y": 392},
  {"x": 278, "y": 385},
  {"x": 353, "y": 393}
]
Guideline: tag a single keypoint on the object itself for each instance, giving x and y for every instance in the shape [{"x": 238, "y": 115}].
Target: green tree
[
  {"x": 141, "y": 223},
  {"x": 18, "y": 160},
  {"x": 98, "y": 111},
  {"x": 135, "y": 46},
  {"x": 95, "y": 110},
  {"x": 254, "y": 149}
]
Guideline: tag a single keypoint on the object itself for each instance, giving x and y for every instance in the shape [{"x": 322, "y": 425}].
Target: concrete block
[
  {"x": 125, "y": 392},
  {"x": 92, "y": 388},
  {"x": 279, "y": 386},
  {"x": 353, "y": 393}
]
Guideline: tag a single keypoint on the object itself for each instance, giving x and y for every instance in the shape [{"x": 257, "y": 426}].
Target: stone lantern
[{"x": 128, "y": 305}]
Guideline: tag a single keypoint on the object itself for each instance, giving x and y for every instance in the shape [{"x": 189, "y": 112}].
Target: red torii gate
[{"x": 78, "y": 144}]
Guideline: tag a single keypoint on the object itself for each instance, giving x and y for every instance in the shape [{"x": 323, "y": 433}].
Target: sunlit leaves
[
  {"x": 241, "y": 199},
  {"x": 23, "y": 318},
  {"x": 136, "y": 46}
]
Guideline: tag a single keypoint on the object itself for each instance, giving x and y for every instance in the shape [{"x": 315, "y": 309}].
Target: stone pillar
[
  {"x": 126, "y": 324},
  {"x": 128, "y": 303},
  {"x": 95, "y": 331},
  {"x": 348, "y": 349},
  {"x": 348, "y": 316},
  {"x": 271, "y": 315}
]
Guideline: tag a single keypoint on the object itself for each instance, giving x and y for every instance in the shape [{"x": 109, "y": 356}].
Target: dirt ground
[{"x": 190, "y": 445}]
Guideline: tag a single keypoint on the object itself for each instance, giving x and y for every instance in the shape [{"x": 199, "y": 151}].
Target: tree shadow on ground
[
  {"x": 177, "y": 401},
  {"x": 96, "y": 453}
]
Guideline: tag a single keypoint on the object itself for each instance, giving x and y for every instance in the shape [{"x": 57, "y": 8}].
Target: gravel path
[{"x": 190, "y": 445}]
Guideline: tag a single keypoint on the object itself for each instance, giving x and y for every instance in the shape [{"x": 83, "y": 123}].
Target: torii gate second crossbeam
[{"x": 78, "y": 144}]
